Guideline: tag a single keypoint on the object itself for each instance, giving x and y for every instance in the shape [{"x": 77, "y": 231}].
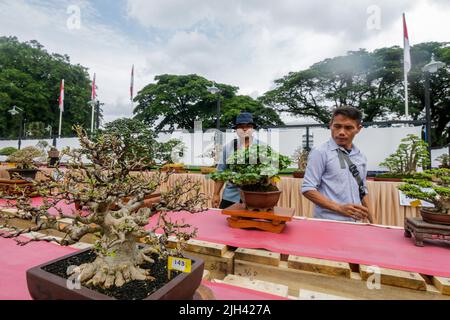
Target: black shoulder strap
[
  {"x": 343, "y": 157},
  {"x": 235, "y": 145}
]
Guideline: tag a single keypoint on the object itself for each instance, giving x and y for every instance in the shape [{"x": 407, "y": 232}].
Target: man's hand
[
  {"x": 216, "y": 201},
  {"x": 356, "y": 211}
]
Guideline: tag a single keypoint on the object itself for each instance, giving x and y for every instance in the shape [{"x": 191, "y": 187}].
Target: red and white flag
[
  {"x": 61, "y": 96},
  {"x": 132, "y": 84},
  {"x": 406, "y": 52},
  {"x": 94, "y": 89}
]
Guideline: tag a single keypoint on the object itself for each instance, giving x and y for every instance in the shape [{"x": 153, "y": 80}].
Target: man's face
[
  {"x": 244, "y": 130},
  {"x": 344, "y": 130}
]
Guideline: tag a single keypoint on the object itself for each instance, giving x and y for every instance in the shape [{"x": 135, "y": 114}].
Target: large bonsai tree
[
  {"x": 432, "y": 186},
  {"x": 411, "y": 154},
  {"x": 255, "y": 168},
  {"x": 26, "y": 157},
  {"x": 113, "y": 200}
]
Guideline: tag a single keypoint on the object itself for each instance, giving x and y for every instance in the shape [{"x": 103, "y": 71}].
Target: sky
[{"x": 245, "y": 43}]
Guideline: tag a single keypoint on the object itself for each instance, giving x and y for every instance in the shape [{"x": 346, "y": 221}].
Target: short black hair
[{"x": 349, "y": 112}]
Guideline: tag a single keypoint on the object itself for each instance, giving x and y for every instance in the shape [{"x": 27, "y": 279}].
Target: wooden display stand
[
  {"x": 273, "y": 221},
  {"x": 423, "y": 230},
  {"x": 16, "y": 187}
]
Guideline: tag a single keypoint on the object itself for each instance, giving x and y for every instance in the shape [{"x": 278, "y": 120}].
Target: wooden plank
[
  {"x": 315, "y": 295},
  {"x": 258, "y": 256},
  {"x": 219, "y": 267},
  {"x": 398, "y": 278},
  {"x": 338, "y": 286},
  {"x": 257, "y": 285},
  {"x": 204, "y": 247},
  {"x": 329, "y": 267},
  {"x": 442, "y": 284}
]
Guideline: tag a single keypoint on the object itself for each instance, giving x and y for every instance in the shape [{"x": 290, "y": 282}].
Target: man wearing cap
[
  {"x": 335, "y": 178},
  {"x": 244, "y": 127}
]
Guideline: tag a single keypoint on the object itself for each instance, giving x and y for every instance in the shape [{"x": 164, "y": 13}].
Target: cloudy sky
[{"x": 248, "y": 43}]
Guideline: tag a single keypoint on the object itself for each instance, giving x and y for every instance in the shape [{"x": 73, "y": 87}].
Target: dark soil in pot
[
  {"x": 24, "y": 173},
  {"x": 134, "y": 290}
]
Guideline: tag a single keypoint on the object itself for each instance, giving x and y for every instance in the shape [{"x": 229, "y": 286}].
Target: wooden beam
[
  {"x": 329, "y": 267},
  {"x": 258, "y": 256},
  {"x": 257, "y": 285},
  {"x": 204, "y": 247},
  {"x": 315, "y": 295},
  {"x": 219, "y": 267},
  {"x": 398, "y": 278},
  {"x": 442, "y": 284}
]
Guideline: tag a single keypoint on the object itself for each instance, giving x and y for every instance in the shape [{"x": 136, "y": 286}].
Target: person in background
[
  {"x": 335, "y": 177},
  {"x": 244, "y": 127}
]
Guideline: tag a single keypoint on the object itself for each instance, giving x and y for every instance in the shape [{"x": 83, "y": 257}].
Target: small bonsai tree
[
  {"x": 99, "y": 188},
  {"x": 26, "y": 157},
  {"x": 438, "y": 183},
  {"x": 411, "y": 154},
  {"x": 444, "y": 161},
  {"x": 300, "y": 156},
  {"x": 254, "y": 169},
  {"x": 170, "y": 152},
  {"x": 7, "y": 151}
]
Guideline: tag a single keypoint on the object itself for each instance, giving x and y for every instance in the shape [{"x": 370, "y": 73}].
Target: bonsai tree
[
  {"x": 170, "y": 152},
  {"x": 411, "y": 154},
  {"x": 254, "y": 169},
  {"x": 25, "y": 158},
  {"x": 99, "y": 188},
  {"x": 444, "y": 161},
  {"x": 7, "y": 151},
  {"x": 300, "y": 156},
  {"x": 437, "y": 181}
]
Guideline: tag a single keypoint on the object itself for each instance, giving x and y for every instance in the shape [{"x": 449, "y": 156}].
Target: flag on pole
[
  {"x": 406, "y": 62},
  {"x": 61, "y": 96},
  {"x": 132, "y": 84},
  {"x": 94, "y": 89},
  {"x": 407, "y": 53}
]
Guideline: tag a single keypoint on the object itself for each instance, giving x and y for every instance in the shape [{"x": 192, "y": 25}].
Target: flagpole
[
  {"x": 92, "y": 120},
  {"x": 61, "y": 107},
  {"x": 406, "y": 95},
  {"x": 60, "y": 122}
]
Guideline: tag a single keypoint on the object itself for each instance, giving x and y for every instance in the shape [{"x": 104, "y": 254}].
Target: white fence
[{"x": 375, "y": 143}]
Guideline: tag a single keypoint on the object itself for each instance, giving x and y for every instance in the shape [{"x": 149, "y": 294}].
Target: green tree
[
  {"x": 179, "y": 100},
  {"x": 30, "y": 79}
]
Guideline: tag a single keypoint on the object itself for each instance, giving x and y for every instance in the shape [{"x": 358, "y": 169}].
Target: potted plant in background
[
  {"x": 25, "y": 161},
  {"x": 212, "y": 153},
  {"x": 432, "y": 186},
  {"x": 255, "y": 170},
  {"x": 5, "y": 152},
  {"x": 444, "y": 161},
  {"x": 118, "y": 266},
  {"x": 411, "y": 154},
  {"x": 300, "y": 156},
  {"x": 53, "y": 157}
]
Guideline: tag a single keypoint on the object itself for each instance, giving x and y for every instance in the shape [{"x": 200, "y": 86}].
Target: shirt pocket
[{"x": 335, "y": 173}]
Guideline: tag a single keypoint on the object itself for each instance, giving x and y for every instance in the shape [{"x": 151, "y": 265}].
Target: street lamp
[
  {"x": 14, "y": 112},
  {"x": 431, "y": 67},
  {"x": 214, "y": 90},
  {"x": 49, "y": 129}
]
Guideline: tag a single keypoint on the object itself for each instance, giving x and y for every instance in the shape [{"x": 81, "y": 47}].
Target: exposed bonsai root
[{"x": 105, "y": 274}]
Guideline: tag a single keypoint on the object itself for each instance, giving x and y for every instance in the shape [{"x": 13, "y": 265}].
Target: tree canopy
[
  {"x": 179, "y": 100},
  {"x": 30, "y": 79},
  {"x": 370, "y": 81}
]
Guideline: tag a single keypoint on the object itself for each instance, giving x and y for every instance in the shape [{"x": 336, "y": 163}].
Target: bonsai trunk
[{"x": 119, "y": 258}]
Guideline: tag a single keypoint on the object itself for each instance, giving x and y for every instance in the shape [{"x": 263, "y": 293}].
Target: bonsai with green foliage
[
  {"x": 438, "y": 183},
  {"x": 301, "y": 157},
  {"x": 444, "y": 161},
  {"x": 411, "y": 154},
  {"x": 25, "y": 158},
  {"x": 254, "y": 169},
  {"x": 7, "y": 151}
]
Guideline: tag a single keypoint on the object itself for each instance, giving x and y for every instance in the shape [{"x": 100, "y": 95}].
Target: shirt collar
[{"x": 332, "y": 146}]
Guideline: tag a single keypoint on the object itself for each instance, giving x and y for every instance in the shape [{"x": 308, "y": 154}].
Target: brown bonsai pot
[
  {"x": 298, "y": 174},
  {"x": 264, "y": 201},
  {"x": 24, "y": 173},
  {"x": 388, "y": 179},
  {"x": 44, "y": 285},
  {"x": 431, "y": 216}
]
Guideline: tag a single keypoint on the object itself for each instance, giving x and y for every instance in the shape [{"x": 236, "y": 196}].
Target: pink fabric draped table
[{"x": 344, "y": 242}]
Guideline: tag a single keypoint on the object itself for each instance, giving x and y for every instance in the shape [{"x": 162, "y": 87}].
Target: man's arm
[
  {"x": 366, "y": 203},
  {"x": 354, "y": 211}
]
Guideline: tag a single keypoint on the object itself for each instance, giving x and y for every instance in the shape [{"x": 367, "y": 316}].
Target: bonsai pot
[
  {"x": 260, "y": 200},
  {"x": 24, "y": 173},
  {"x": 298, "y": 174},
  {"x": 431, "y": 216},
  {"x": 177, "y": 168},
  {"x": 388, "y": 179},
  {"x": 44, "y": 285}
]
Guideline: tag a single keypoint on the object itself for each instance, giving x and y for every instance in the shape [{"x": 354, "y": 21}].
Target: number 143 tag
[{"x": 179, "y": 264}]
